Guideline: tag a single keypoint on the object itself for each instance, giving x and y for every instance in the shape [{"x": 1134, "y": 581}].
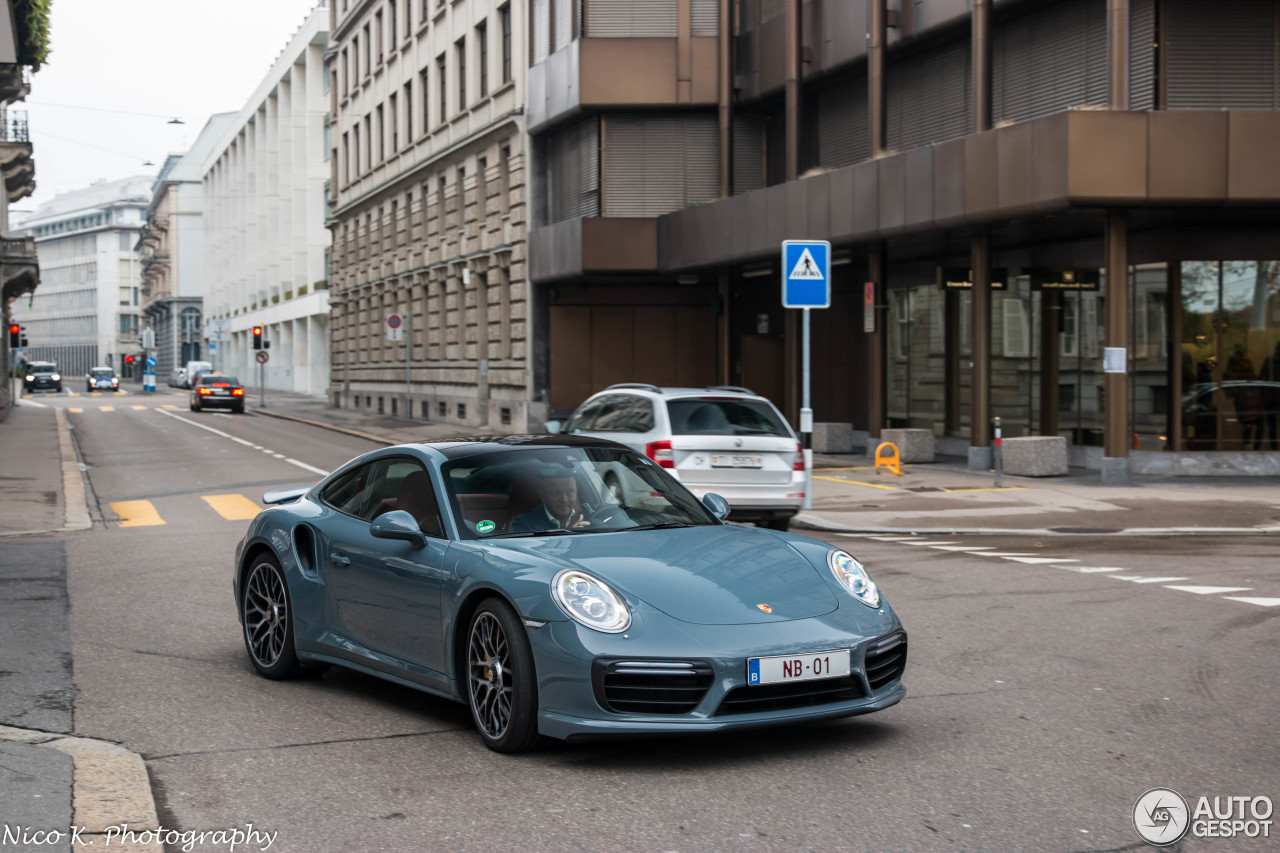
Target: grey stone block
[
  {"x": 1115, "y": 470},
  {"x": 1035, "y": 456},
  {"x": 979, "y": 458},
  {"x": 914, "y": 445},
  {"x": 833, "y": 438}
]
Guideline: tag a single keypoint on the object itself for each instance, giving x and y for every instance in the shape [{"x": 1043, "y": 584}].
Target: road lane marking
[
  {"x": 990, "y": 489},
  {"x": 1135, "y": 578},
  {"x": 856, "y": 483},
  {"x": 96, "y": 394},
  {"x": 302, "y": 465},
  {"x": 1091, "y": 570},
  {"x": 891, "y": 538},
  {"x": 1032, "y": 560},
  {"x": 1210, "y": 590},
  {"x": 232, "y": 507},
  {"x": 138, "y": 408},
  {"x": 1140, "y": 579},
  {"x": 76, "y": 411},
  {"x": 969, "y": 548},
  {"x": 168, "y": 406},
  {"x": 1016, "y": 554},
  {"x": 278, "y": 455},
  {"x": 930, "y": 544},
  {"x": 33, "y": 403},
  {"x": 137, "y": 513},
  {"x": 106, "y": 408},
  {"x": 73, "y": 393},
  {"x": 1261, "y": 602}
]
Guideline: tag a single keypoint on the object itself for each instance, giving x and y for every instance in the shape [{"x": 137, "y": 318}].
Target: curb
[
  {"x": 367, "y": 436},
  {"x": 74, "y": 505},
  {"x": 110, "y": 785},
  {"x": 809, "y": 521}
]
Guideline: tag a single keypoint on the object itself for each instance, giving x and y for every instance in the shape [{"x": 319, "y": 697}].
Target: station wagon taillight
[
  {"x": 661, "y": 452},
  {"x": 799, "y": 466}
]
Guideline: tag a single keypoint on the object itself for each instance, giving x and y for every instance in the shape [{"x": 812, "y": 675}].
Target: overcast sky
[{"x": 163, "y": 58}]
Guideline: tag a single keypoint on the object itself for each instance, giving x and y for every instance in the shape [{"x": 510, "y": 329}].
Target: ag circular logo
[{"x": 1161, "y": 816}]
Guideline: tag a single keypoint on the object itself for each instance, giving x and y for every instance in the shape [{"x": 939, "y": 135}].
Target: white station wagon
[{"x": 726, "y": 440}]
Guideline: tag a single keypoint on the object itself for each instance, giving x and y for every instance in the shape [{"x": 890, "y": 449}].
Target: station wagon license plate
[
  {"x": 806, "y": 667},
  {"x": 737, "y": 461}
]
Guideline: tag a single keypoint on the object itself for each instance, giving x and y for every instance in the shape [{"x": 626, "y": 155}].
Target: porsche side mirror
[
  {"x": 398, "y": 524},
  {"x": 718, "y": 506},
  {"x": 553, "y": 427}
]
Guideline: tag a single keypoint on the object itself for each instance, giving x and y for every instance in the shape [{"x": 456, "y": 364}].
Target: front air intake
[{"x": 650, "y": 686}]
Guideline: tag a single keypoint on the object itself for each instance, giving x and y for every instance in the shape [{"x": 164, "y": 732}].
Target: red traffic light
[
  {"x": 128, "y": 359},
  {"x": 14, "y": 328},
  {"x": 257, "y": 331}
]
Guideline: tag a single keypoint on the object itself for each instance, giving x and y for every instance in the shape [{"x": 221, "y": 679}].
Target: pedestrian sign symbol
[
  {"x": 805, "y": 267},
  {"x": 806, "y": 274}
]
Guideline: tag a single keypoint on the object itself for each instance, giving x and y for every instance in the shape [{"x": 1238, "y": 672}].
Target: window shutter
[
  {"x": 540, "y": 14},
  {"x": 748, "y": 153},
  {"x": 843, "y": 134},
  {"x": 1220, "y": 55},
  {"x": 1142, "y": 54},
  {"x": 631, "y": 18},
  {"x": 705, "y": 18},
  {"x": 1015, "y": 328},
  {"x": 1089, "y": 332},
  {"x": 656, "y": 164},
  {"x": 929, "y": 97},
  {"x": 563, "y": 25},
  {"x": 1049, "y": 60},
  {"x": 573, "y": 163},
  {"x": 772, "y": 9}
]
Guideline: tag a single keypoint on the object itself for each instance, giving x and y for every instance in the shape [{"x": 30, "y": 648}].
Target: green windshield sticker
[{"x": 485, "y": 526}]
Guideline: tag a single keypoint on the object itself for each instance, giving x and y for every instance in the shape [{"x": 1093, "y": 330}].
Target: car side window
[
  {"x": 404, "y": 484},
  {"x": 641, "y": 419},
  {"x": 346, "y": 494},
  {"x": 582, "y": 418},
  {"x": 614, "y": 413}
]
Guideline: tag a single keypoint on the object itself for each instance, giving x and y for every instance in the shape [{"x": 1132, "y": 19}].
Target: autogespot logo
[{"x": 1161, "y": 816}]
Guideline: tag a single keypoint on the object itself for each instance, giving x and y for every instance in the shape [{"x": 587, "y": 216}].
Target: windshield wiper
[
  {"x": 664, "y": 525},
  {"x": 557, "y": 531}
]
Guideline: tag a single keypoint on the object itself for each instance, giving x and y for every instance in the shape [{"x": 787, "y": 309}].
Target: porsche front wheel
[
  {"x": 267, "y": 614},
  {"x": 501, "y": 687}
]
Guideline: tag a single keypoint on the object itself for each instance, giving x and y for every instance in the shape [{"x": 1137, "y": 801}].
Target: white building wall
[{"x": 265, "y": 236}]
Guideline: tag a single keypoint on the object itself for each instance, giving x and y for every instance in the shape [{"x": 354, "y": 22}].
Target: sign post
[
  {"x": 397, "y": 325},
  {"x": 263, "y": 357},
  {"x": 806, "y": 284}
]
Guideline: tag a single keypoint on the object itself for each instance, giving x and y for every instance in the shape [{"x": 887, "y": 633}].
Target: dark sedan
[
  {"x": 216, "y": 391},
  {"x": 41, "y": 376}
]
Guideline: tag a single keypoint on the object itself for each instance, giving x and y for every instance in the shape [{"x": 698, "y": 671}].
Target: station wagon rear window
[{"x": 724, "y": 416}]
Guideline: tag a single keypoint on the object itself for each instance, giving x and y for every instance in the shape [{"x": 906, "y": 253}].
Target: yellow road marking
[
  {"x": 167, "y": 406},
  {"x": 1002, "y": 489},
  {"x": 73, "y": 393},
  {"x": 76, "y": 411},
  {"x": 26, "y": 396},
  {"x": 106, "y": 408},
  {"x": 137, "y": 513},
  {"x": 857, "y": 483},
  {"x": 138, "y": 408},
  {"x": 858, "y": 468},
  {"x": 232, "y": 507},
  {"x": 119, "y": 393}
]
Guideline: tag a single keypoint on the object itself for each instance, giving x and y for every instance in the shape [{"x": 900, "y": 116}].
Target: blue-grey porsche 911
[{"x": 504, "y": 573}]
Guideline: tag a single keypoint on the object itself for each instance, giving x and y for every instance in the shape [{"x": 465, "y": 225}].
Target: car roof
[
  {"x": 676, "y": 392},
  {"x": 462, "y": 446}
]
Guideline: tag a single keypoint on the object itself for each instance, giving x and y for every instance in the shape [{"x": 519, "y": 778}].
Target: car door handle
[{"x": 339, "y": 560}]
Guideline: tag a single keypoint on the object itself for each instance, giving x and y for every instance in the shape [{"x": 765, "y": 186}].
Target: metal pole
[
  {"x": 806, "y": 420},
  {"x": 999, "y": 454},
  {"x": 408, "y": 344},
  {"x": 262, "y": 384}
]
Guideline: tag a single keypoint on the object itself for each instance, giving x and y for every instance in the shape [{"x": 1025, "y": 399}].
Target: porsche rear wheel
[
  {"x": 267, "y": 613},
  {"x": 501, "y": 687}
]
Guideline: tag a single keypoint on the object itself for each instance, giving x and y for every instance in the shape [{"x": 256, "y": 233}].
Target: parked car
[
  {"x": 178, "y": 377},
  {"x": 213, "y": 390},
  {"x": 1251, "y": 415},
  {"x": 729, "y": 440},
  {"x": 42, "y": 376},
  {"x": 101, "y": 379},
  {"x": 419, "y": 564}
]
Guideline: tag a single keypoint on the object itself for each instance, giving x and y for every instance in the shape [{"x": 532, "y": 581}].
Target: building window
[
  {"x": 391, "y": 8},
  {"x": 346, "y": 159},
  {"x": 325, "y": 133},
  {"x": 382, "y": 136},
  {"x": 355, "y": 148},
  {"x": 408, "y": 112},
  {"x": 504, "y": 17},
  {"x": 441, "y": 66},
  {"x": 346, "y": 73},
  {"x": 395, "y": 124},
  {"x": 482, "y": 187},
  {"x": 368, "y": 51},
  {"x": 426, "y": 99},
  {"x": 460, "y": 48},
  {"x": 482, "y": 47},
  {"x": 368, "y": 139},
  {"x": 377, "y": 19}
]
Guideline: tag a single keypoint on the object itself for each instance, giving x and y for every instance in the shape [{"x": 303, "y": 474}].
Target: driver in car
[{"x": 560, "y": 507}]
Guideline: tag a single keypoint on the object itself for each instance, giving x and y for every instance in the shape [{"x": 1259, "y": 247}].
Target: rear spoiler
[{"x": 284, "y": 496}]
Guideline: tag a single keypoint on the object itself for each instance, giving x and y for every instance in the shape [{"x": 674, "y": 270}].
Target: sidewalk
[{"x": 939, "y": 497}]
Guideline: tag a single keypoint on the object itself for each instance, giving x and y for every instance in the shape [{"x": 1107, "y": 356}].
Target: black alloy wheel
[
  {"x": 501, "y": 688},
  {"x": 267, "y": 613}
]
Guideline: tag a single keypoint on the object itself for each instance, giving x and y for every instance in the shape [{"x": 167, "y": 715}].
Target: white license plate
[
  {"x": 804, "y": 667},
  {"x": 737, "y": 462}
]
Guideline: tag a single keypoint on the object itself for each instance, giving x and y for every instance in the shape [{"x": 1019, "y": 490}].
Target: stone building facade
[{"x": 427, "y": 178}]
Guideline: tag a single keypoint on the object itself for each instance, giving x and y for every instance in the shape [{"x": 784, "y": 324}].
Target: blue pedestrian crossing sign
[{"x": 806, "y": 274}]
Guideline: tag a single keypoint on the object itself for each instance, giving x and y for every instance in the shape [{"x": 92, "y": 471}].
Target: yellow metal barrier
[{"x": 891, "y": 461}]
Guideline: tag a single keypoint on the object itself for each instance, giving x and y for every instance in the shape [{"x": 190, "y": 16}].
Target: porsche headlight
[
  {"x": 590, "y": 602},
  {"x": 854, "y": 578}
]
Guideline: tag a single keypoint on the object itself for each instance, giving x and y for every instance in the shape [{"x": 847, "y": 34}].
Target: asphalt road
[{"x": 1043, "y": 698}]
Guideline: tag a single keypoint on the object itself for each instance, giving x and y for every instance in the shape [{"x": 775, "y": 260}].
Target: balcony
[
  {"x": 16, "y": 165},
  {"x": 19, "y": 269},
  {"x": 15, "y": 83}
]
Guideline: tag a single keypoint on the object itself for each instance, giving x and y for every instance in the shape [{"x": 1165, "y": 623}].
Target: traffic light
[
  {"x": 257, "y": 337},
  {"x": 15, "y": 335},
  {"x": 128, "y": 359}
]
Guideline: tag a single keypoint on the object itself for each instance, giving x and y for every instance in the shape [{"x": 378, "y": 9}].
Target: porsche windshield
[{"x": 550, "y": 491}]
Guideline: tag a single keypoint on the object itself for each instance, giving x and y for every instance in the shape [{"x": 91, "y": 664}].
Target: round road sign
[
  {"x": 262, "y": 357},
  {"x": 393, "y": 321}
]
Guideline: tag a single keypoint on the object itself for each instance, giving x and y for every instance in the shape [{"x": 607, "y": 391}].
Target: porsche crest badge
[{"x": 766, "y": 608}]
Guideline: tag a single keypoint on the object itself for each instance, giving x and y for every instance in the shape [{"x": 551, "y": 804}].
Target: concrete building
[
  {"x": 175, "y": 269},
  {"x": 1030, "y": 188},
  {"x": 86, "y": 312},
  {"x": 427, "y": 185},
  {"x": 20, "y": 50},
  {"x": 266, "y": 242}
]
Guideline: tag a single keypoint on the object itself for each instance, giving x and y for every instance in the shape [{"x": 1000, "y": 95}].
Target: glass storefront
[{"x": 1230, "y": 352}]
